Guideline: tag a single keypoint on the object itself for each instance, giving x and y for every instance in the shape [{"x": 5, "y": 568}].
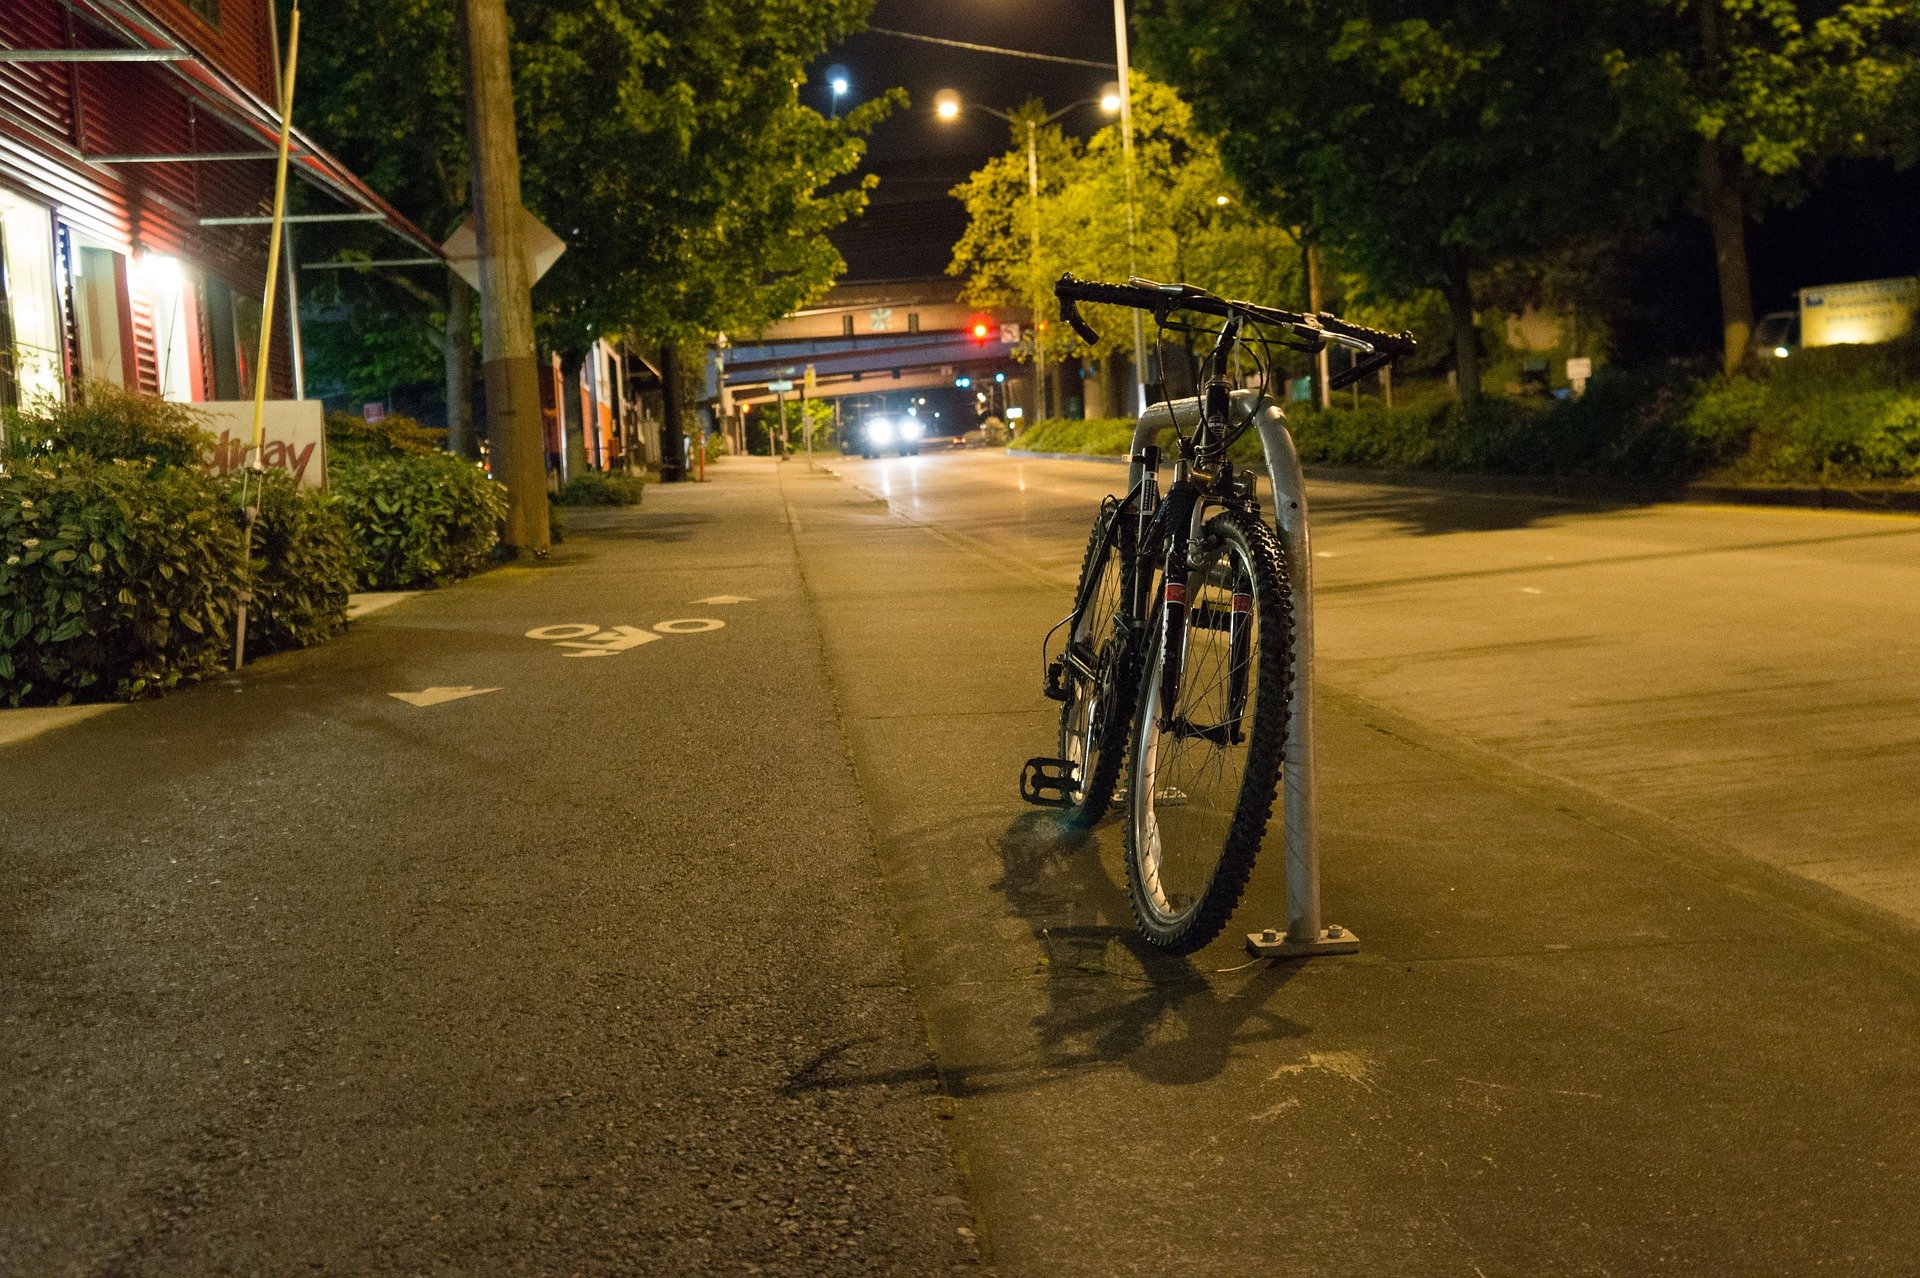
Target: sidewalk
[
  {"x": 300, "y": 976},
  {"x": 1572, "y": 1043}
]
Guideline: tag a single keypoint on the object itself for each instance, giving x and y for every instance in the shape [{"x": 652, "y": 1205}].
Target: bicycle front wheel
[{"x": 1206, "y": 762}]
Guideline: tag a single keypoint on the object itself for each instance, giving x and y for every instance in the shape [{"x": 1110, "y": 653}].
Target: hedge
[
  {"x": 419, "y": 519},
  {"x": 598, "y": 488},
  {"x": 113, "y": 577},
  {"x": 1834, "y": 416},
  {"x": 304, "y": 563}
]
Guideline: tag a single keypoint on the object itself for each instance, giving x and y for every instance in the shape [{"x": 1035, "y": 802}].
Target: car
[{"x": 882, "y": 434}]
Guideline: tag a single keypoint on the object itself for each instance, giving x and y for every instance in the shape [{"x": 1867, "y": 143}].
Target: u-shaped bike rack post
[{"x": 1304, "y": 934}]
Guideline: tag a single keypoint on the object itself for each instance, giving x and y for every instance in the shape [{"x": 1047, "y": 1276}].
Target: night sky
[{"x": 910, "y": 228}]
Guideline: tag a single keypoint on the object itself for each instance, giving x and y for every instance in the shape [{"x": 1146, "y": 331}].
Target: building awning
[{"x": 217, "y": 91}]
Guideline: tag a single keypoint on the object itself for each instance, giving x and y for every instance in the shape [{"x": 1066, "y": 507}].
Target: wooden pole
[{"x": 508, "y": 366}]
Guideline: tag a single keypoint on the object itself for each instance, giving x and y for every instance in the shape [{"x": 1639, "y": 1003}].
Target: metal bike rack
[{"x": 1304, "y": 935}]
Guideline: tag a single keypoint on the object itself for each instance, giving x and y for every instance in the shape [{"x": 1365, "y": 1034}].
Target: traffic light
[
  {"x": 980, "y": 327},
  {"x": 963, "y": 382},
  {"x": 999, "y": 377}
]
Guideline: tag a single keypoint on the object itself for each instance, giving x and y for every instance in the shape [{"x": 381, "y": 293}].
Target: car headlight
[
  {"x": 912, "y": 428},
  {"x": 880, "y": 430}
]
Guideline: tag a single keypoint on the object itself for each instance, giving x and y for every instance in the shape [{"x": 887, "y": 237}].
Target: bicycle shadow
[{"x": 1111, "y": 998}]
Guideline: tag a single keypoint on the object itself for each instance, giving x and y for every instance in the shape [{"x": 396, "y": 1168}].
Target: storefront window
[
  {"x": 163, "y": 282},
  {"x": 100, "y": 306},
  {"x": 29, "y": 313}
]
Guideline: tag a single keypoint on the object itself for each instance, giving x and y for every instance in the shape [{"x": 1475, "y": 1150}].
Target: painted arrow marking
[
  {"x": 725, "y": 599},
  {"x": 436, "y": 696}
]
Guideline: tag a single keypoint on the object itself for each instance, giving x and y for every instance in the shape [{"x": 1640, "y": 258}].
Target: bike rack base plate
[{"x": 1274, "y": 944}]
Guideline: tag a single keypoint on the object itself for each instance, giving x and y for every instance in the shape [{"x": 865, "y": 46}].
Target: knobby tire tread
[{"x": 1266, "y": 755}]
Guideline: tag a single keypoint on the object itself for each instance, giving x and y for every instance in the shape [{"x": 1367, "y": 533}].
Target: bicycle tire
[
  {"x": 1194, "y": 924},
  {"x": 1109, "y": 707}
]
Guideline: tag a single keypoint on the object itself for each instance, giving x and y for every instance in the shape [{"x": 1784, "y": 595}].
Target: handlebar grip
[{"x": 1070, "y": 312}]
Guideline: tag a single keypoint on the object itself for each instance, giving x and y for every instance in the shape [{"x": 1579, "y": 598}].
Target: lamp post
[
  {"x": 947, "y": 105},
  {"x": 1121, "y": 57}
]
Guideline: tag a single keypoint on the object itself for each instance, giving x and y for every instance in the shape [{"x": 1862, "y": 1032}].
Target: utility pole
[
  {"x": 506, "y": 277},
  {"x": 1033, "y": 263}
]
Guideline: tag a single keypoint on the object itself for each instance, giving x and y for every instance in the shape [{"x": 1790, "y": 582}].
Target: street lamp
[
  {"x": 838, "y": 82},
  {"x": 948, "y": 104}
]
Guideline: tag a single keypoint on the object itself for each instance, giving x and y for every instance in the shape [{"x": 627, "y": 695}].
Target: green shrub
[
  {"x": 391, "y": 436},
  {"x": 110, "y": 424},
  {"x": 1100, "y": 437},
  {"x": 420, "y": 520},
  {"x": 716, "y": 446},
  {"x": 602, "y": 488},
  {"x": 113, "y": 578},
  {"x": 304, "y": 560}
]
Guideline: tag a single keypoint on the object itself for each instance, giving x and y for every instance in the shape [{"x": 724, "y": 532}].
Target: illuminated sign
[{"x": 1867, "y": 311}]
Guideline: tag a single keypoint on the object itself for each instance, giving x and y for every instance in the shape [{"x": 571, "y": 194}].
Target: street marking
[
  {"x": 580, "y": 631},
  {"x": 689, "y": 626},
  {"x": 726, "y": 599},
  {"x": 438, "y": 696},
  {"x": 1529, "y": 590},
  {"x": 606, "y": 643}
]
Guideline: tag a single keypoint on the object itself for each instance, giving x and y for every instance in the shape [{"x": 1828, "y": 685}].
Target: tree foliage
[
  {"x": 664, "y": 142},
  {"x": 1182, "y": 230},
  {"x": 1419, "y": 142}
]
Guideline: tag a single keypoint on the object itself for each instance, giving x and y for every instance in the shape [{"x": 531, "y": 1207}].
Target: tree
[
  {"x": 1183, "y": 230},
  {"x": 1419, "y": 142},
  {"x": 665, "y": 143},
  {"x": 1758, "y": 95}
]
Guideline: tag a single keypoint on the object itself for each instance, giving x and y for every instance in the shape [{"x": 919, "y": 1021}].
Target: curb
[{"x": 1902, "y": 501}]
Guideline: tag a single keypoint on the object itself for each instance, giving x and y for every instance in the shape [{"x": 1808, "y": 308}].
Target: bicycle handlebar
[{"x": 1378, "y": 348}]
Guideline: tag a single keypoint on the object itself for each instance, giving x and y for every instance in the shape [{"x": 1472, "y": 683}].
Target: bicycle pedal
[{"x": 1051, "y": 783}]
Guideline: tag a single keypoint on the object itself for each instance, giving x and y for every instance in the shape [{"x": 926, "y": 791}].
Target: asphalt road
[
  {"x": 735, "y": 950},
  {"x": 299, "y": 977},
  {"x": 1594, "y": 1027}
]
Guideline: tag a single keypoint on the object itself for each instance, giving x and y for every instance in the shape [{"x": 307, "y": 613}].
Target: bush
[
  {"x": 113, "y": 577},
  {"x": 110, "y": 424},
  {"x": 1100, "y": 437},
  {"x": 716, "y": 447},
  {"x": 602, "y": 488},
  {"x": 304, "y": 560},
  {"x": 394, "y": 436},
  {"x": 420, "y": 519}
]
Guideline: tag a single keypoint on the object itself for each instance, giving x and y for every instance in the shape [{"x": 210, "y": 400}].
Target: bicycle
[{"x": 1177, "y": 658}]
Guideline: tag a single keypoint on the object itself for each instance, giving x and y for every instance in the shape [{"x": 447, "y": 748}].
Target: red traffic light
[{"x": 981, "y": 327}]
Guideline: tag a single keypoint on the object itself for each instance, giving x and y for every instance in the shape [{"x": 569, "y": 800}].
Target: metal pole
[
  {"x": 1304, "y": 934},
  {"x": 1126, "y": 161},
  {"x": 508, "y": 365},
  {"x": 249, "y": 485}
]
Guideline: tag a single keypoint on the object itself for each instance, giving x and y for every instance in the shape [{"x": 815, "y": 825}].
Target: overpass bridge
[{"x": 867, "y": 339}]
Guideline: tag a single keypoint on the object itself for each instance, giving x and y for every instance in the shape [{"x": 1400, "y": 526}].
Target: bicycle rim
[{"x": 1205, "y": 769}]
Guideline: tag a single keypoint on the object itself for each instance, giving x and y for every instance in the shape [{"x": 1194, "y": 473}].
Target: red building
[{"x": 136, "y": 180}]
